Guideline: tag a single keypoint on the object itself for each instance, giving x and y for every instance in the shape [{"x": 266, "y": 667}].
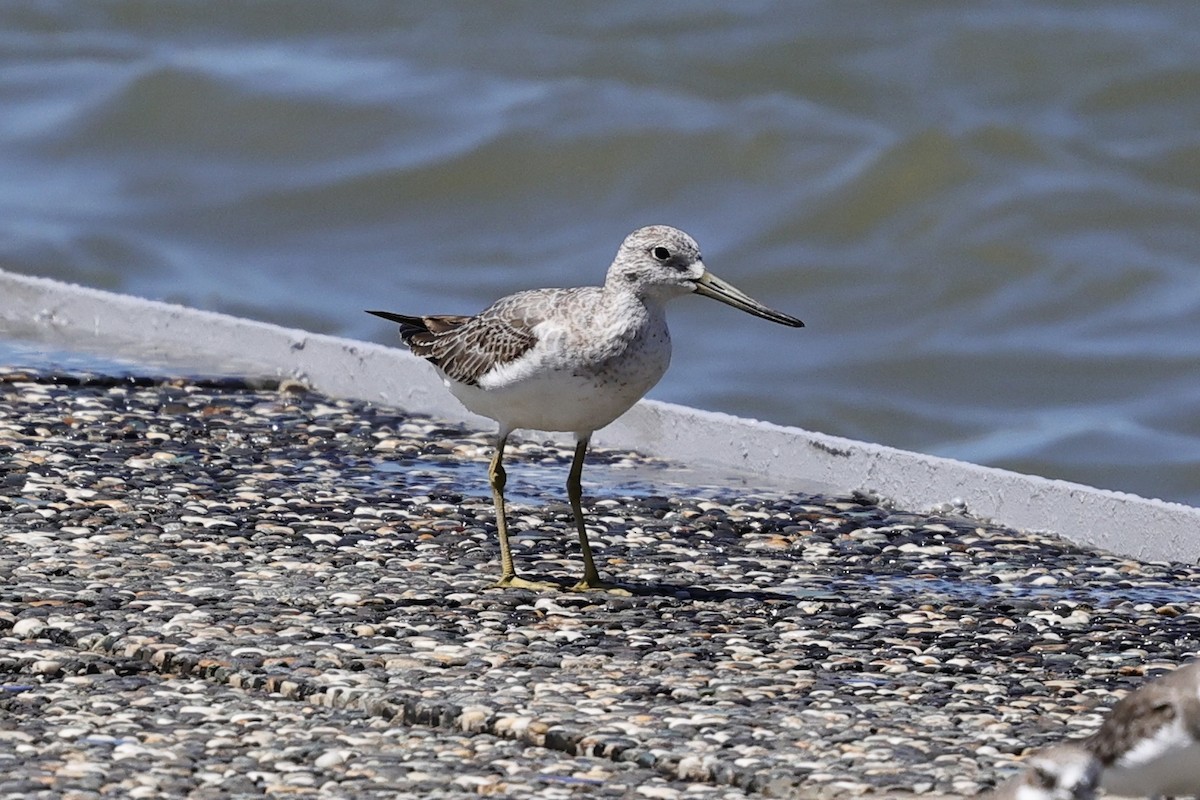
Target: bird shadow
[{"x": 685, "y": 591}]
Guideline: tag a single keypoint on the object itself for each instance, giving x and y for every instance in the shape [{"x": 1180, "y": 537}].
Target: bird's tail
[{"x": 419, "y": 332}]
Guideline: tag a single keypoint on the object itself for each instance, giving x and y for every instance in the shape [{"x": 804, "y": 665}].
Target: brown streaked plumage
[
  {"x": 1149, "y": 744},
  {"x": 465, "y": 348}
]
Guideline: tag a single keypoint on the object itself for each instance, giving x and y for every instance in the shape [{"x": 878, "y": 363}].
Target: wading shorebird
[
  {"x": 570, "y": 360},
  {"x": 1149, "y": 744}
]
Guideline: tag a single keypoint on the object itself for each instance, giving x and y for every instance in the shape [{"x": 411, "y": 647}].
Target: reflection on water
[
  {"x": 535, "y": 483},
  {"x": 985, "y": 215},
  {"x": 32, "y": 355}
]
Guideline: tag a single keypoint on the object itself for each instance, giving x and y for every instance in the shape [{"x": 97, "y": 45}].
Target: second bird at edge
[{"x": 570, "y": 360}]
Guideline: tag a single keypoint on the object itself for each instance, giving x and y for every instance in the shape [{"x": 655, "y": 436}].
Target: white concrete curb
[{"x": 81, "y": 319}]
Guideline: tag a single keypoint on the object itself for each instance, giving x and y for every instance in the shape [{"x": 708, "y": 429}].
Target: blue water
[{"x": 985, "y": 213}]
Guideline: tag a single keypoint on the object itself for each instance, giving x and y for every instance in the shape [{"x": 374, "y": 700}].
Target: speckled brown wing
[{"x": 466, "y": 348}]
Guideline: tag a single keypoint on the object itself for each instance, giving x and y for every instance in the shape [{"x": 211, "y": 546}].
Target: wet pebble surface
[{"x": 220, "y": 588}]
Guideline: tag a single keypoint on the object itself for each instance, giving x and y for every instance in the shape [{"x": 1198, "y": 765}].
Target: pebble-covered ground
[{"x": 210, "y": 589}]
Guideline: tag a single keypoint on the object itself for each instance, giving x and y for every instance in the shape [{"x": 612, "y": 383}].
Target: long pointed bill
[{"x": 710, "y": 285}]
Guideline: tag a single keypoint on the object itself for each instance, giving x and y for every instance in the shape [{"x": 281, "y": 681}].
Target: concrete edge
[{"x": 78, "y": 318}]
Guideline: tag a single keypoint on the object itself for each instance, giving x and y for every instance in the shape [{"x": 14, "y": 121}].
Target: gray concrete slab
[{"x": 82, "y": 319}]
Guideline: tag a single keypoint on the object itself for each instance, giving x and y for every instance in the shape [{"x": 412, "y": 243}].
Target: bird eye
[
  {"x": 1044, "y": 779},
  {"x": 660, "y": 252}
]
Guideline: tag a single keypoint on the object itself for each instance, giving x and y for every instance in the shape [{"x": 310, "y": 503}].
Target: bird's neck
[
  {"x": 619, "y": 290},
  {"x": 633, "y": 301}
]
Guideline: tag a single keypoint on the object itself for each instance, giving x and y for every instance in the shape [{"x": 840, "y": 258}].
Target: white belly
[{"x": 571, "y": 384}]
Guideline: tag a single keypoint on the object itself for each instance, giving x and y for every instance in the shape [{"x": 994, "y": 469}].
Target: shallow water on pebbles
[{"x": 208, "y": 588}]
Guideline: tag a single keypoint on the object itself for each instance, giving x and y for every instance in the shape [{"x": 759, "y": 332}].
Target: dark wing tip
[
  {"x": 413, "y": 330},
  {"x": 388, "y": 315}
]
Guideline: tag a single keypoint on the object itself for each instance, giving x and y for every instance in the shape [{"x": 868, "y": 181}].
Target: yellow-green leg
[
  {"x": 497, "y": 478},
  {"x": 591, "y": 578}
]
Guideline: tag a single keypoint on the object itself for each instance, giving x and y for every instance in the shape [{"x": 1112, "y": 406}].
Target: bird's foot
[
  {"x": 597, "y": 585},
  {"x": 517, "y": 582}
]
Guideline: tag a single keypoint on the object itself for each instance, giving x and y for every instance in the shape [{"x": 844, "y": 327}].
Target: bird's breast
[{"x": 575, "y": 378}]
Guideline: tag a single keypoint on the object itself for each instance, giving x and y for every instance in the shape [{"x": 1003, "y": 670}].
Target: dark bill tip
[{"x": 710, "y": 285}]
